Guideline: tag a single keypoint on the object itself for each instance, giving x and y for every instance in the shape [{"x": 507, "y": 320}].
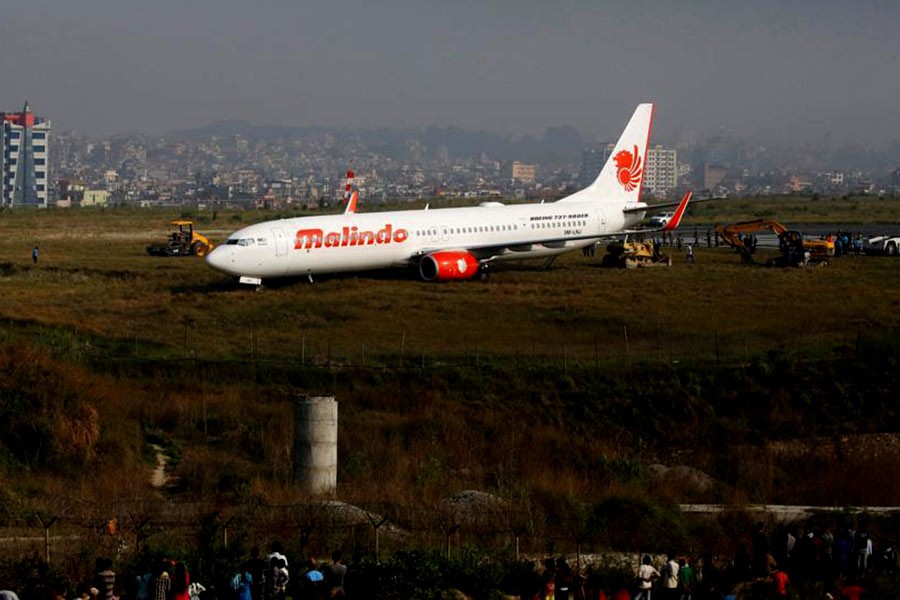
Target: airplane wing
[
  {"x": 673, "y": 223},
  {"x": 650, "y": 207}
]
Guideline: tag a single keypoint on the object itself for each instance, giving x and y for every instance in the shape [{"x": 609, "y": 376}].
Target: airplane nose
[{"x": 220, "y": 258}]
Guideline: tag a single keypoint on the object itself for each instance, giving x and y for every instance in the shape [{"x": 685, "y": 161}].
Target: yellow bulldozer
[
  {"x": 795, "y": 249},
  {"x": 182, "y": 241},
  {"x": 633, "y": 254}
]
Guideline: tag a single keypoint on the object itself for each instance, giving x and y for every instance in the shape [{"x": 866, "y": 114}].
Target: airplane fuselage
[{"x": 367, "y": 241}]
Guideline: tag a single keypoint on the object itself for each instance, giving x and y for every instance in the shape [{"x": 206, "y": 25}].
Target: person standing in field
[
  {"x": 685, "y": 579},
  {"x": 645, "y": 576},
  {"x": 162, "y": 582},
  {"x": 780, "y": 584},
  {"x": 181, "y": 581},
  {"x": 34, "y": 254},
  {"x": 669, "y": 576},
  {"x": 334, "y": 575},
  {"x": 105, "y": 578}
]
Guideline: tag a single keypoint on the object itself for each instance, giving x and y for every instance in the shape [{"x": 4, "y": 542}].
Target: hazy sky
[{"x": 770, "y": 70}]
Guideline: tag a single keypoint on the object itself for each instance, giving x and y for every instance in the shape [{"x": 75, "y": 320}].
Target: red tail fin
[
  {"x": 679, "y": 212},
  {"x": 351, "y": 196}
]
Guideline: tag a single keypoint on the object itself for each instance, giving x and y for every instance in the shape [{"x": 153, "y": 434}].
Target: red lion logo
[{"x": 630, "y": 169}]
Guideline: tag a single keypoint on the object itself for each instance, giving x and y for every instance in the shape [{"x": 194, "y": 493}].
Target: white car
[
  {"x": 660, "y": 220},
  {"x": 882, "y": 244}
]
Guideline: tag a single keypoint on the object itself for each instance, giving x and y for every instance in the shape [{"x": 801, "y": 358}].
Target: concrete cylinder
[{"x": 315, "y": 443}]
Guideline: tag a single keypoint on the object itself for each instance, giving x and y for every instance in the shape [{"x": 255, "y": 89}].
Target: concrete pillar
[{"x": 315, "y": 443}]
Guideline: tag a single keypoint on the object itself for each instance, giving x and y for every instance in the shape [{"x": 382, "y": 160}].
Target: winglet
[
  {"x": 351, "y": 196},
  {"x": 679, "y": 212}
]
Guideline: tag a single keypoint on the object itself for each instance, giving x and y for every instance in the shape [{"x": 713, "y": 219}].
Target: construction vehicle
[
  {"x": 634, "y": 254},
  {"x": 796, "y": 251},
  {"x": 182, "y": 241}
]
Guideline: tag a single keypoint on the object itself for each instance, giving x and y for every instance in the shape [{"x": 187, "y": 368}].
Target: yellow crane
[{"x": 796, "y": 250}]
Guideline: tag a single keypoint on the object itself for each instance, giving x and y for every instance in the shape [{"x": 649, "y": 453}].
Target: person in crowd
[
  {"x": 312, "y": 581},
  {"x": 862, "y": 549},
  {"x": 851, "y": 590},
  {"x": 563, "y": 581},
  {"x": 162, "y": 581},
  {"x": 242, "y": 584},
  {"x": 780, "y": 584},
  {"x": 105, "y": 578},
  {"x": 195, "y": 590},
  {"x": 685, "y": 579},
  {"x": 255, "y": 566},
  {"x": 669, "y": 578},
  {"x": 760, "y": 550},
  {"x": 549, "y": 580},
  {"x": 646, "y": 575},
  {"x": 143, "y": 582},
  {"x": 334, "y": 575},
  {"x": 181, "y": 581}
]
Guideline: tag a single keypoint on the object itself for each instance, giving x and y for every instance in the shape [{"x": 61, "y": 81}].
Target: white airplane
[{"x": 451, "y": 243}]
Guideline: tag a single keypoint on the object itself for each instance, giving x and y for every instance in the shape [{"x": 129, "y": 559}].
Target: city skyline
[{"x": 767, "y": 72}]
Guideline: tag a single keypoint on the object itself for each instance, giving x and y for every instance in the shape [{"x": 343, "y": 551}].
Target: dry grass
[{"x": 478, "y": 414}]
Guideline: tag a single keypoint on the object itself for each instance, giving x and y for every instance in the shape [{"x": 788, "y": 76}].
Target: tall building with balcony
[
  {"x": 25, "y": 166},
  {"x": 661, "y": 172}
]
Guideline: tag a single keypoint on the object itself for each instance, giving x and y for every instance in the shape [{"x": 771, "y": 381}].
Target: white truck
[{"x": 885, "y": 245}]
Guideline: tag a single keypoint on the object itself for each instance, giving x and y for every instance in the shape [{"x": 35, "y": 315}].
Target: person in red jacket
[
  {"x": 780, "y": 583},
  {"x": 180, "y": 582}
]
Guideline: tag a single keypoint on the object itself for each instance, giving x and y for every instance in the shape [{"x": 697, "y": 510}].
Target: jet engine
[{"x": 448, "y": 265}]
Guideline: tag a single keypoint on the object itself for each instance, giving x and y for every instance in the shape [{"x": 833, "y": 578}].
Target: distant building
[
  {"x": 71, "y": 193},
  {"x": 592, "y": 160},
  {"x": 520, "y": 172},
  {"x": 713, "y": 175},
  {"x": 797, "y": 184},
  {"x": 24, "y": 139},
  {"x": 95, "y": 198},
  {"x": 724, "y": 152},
  {"x": 661, "y": 170}
]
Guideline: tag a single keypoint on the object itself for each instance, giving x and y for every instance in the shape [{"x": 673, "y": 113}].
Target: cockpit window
[
  {"x": 231, "y": 242},
  {"x": 246, "y": 242}
]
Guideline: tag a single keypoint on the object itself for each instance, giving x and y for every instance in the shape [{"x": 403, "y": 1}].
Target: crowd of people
[
  {"x": 838, "y": 561},
  {"x": 270, "y": 579},
  {"x": 257, "y": 578}
]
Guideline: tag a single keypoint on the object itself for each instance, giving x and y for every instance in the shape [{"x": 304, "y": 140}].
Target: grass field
[{"x": 95, "y": 282}]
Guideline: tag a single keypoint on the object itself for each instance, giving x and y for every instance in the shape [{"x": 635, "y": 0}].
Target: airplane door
[
  {"x": 281, "y": 245},
  {"x": 445, "y": 233},
  {"x": 601, "y": 224}
]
